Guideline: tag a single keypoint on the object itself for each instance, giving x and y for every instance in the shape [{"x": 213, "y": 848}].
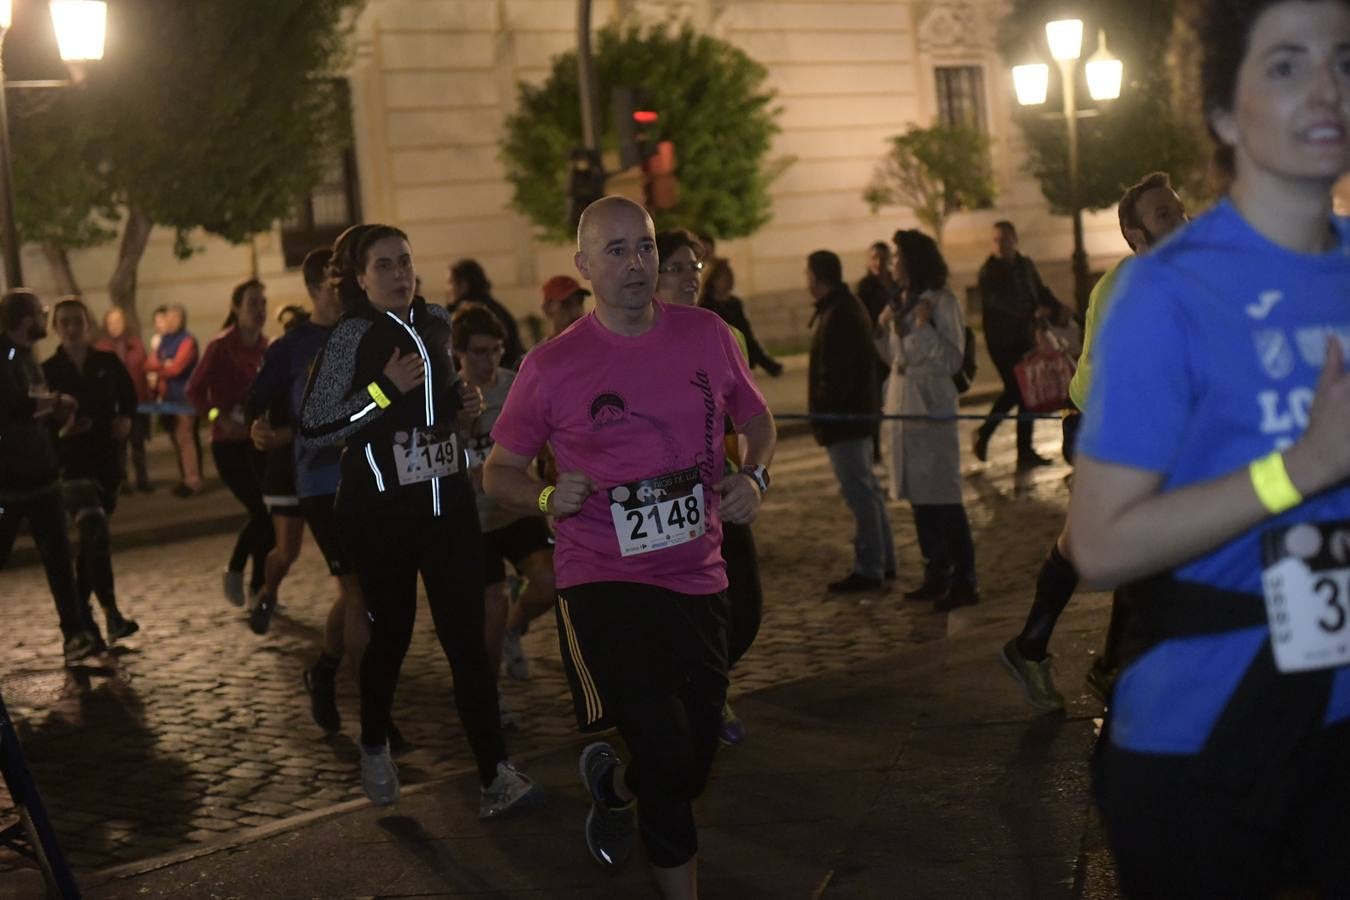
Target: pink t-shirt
[{"x": 643, "y": 416}]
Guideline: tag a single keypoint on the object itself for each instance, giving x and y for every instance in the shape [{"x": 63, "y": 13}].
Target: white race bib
[
  {"x": 422, "y": 455},
  {"x": 1307, "y": 589},
  {"x": 658, "y": 513}
]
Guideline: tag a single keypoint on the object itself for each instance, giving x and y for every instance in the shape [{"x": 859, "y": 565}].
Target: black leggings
[
  {"x": 745, "y": 595},
  {"x": 388, "y": 548},
  {"x": 240, "y": 465}
]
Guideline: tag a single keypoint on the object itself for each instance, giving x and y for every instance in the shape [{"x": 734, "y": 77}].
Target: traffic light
[
  {"x": 585, "y": 182},
  {"x": 637, "y": 124},
  {"x": 634, "y": 124}
]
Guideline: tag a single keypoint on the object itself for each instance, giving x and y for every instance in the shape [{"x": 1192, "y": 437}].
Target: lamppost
[
  {"x": 80, "y": 28},
  {"x": 1104, "y": 73}
]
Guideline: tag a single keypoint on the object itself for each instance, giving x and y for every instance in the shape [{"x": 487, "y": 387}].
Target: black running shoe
[
  {"x": 321, "y": 682},
  {"x": 261, "y": 618},
  {"x": 609, "y": 831},
  {"x": 119, "y": 627}
]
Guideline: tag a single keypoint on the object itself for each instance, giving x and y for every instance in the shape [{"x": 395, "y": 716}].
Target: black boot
[{"x": 933, "y": 588}]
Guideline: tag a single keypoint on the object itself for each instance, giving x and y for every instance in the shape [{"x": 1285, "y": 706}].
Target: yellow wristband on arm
[
  {"x": 381, "y": 399},
  {"x": 1271, "y": 481},
  {"x": 543, "y": 498}
]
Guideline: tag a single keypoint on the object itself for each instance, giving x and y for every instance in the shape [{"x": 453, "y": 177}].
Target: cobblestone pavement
[{"x": 198, "y": 729}]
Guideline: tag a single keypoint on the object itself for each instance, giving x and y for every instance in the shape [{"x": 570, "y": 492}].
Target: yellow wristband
[
  {"x": 379, "y": 396},
  {"x": 543, "y": 498},
  {"x": 1271, "y": 481},
  {"x": 213, "y": 414}
]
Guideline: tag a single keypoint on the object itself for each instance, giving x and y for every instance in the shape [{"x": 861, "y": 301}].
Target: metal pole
[
  {"x": 1067, "y": 72},
  {"x": 590, "y": 131},
  {"x": 13, "y": 265}
]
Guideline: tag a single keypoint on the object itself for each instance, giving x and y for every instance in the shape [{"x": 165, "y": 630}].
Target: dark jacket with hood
[{"x": 350, "y": 401}]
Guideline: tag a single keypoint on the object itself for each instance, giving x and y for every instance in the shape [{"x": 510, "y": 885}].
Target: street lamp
[
  {"x": 1104, "y": 73},
  {"x": 80, "y": 27}
]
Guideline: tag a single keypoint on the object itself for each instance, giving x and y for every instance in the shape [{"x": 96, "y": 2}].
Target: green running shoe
[{"x": 1033, "y": 676}]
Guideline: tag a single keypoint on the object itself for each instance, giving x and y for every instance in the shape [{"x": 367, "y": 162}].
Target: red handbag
[{"x": 1043, "y": 375}]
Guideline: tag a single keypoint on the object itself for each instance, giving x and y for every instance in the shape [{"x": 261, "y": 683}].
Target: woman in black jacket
[{"x": 383, "y": 386}]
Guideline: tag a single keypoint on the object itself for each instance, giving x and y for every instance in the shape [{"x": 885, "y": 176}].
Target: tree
[
  {"x": 219, "y": 116},
  {"x": 712, "y": 103},
  {"x": 934, "y": 172},
  {"x": 1142, "y": 131}
]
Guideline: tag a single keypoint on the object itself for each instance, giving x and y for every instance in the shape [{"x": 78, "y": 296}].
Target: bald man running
[{"x": 633, "y": 399}]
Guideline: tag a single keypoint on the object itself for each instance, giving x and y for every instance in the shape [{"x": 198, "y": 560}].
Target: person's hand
[
  {"x": 263, "y": 435},
  {"x": 470, "y": 399},
  {"x": 121, "y": 428},
  {"x": 405, "y": 371},
  {"x": 1321, "y": 457},
  {"x": 570, "y": 493},
  {"x": 923, "y": 313},
  {"x": 740, "y": 498},
  {"x": 77, "y": 426},
  {"x": 773, "y": 367},
  {"x": 886, "y": 316}
]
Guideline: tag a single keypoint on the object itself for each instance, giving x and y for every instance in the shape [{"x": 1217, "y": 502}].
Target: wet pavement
[{"x": 196, "y": 736}]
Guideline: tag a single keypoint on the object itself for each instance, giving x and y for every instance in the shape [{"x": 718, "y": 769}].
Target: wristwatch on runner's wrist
[{"x": 759, "y": 475}]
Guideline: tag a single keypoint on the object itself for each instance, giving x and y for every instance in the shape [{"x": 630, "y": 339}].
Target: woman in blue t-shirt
[{"x": 1212, "y": 481}]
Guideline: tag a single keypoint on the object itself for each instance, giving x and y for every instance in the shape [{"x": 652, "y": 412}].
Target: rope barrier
[{"x": 881, "y": 417}]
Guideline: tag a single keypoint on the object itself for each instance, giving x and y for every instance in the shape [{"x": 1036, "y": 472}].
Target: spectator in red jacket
[
  {"x": 218, "y": 388},
  {"x": 130, "y": 349}
]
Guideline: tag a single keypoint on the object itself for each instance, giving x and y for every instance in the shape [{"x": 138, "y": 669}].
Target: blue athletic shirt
[
  {"x": 285, "y": 367},
  {"x": 1208, "y": 360}
]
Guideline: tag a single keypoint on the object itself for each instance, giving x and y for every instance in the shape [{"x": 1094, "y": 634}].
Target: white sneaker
[
  {"x": 510, "y": 790},
  {"x": 513, "y": 656},
  {"x": 379, "y": 776}
]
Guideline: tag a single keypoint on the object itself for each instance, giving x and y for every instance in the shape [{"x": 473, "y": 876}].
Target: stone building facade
[{"x": 431, "y": 82}]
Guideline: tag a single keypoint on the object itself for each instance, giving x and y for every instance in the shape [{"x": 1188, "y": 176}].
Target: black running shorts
[
  {"x": 623, "y": 641},
  {"x": 514, "y": 542}
]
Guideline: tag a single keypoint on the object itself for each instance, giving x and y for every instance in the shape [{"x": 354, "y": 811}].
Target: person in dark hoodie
[
  {"x": 842, "y": 378},
  {"x": 29, "y": 470}
]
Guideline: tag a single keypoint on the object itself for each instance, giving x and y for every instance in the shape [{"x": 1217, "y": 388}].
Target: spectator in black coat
[
  {"x": 1015, "y": 299},
  {"x": 842, "y": 378}
]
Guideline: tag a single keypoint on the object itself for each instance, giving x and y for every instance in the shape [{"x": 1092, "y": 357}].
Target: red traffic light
[{"x": 645, "y": 116}]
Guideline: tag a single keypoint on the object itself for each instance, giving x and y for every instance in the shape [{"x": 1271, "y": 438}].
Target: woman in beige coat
[{"x": 925, "y": 334}]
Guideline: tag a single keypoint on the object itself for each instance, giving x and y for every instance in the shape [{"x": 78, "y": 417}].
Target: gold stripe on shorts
[{"x": 594, "y": 708}]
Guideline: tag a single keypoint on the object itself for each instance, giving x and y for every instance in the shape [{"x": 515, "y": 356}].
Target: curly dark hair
[{"x": 924, "y": 265}]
